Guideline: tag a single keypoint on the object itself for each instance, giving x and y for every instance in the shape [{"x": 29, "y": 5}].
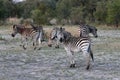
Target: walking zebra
[
  {"x": 28, "y": 34},
  {"x": 39, "y": 29},
  {"x": 84, "y": 30},
  {"x": 53, "y": 36},
  {"x": 76, "y": 44}
]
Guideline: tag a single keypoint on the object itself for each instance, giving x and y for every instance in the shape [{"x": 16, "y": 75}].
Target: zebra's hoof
[
  {"x": 21, "y": 45},
  {"x": 39, "y": 48},
  {"x": 33, "y": 44},
  {"x": 72, "y": 66},
  {"x": 50, "y": 45},
  {"x": 56, "y": 46},
  {"x": 24, "y": 48},
  {"x": 35, "y": 48},
  {"x": 88, "y": 67}
]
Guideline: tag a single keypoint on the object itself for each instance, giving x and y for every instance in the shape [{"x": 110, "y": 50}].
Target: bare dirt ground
[{"x": 52, "y": 64}]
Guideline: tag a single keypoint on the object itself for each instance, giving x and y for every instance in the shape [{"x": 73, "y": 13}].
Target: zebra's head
[
  {"x": 63, "y": 35},
  {"x": 54, "y": 32},
  {"x": 16, "y": 29},
  {"x": 93, "y": 30}
]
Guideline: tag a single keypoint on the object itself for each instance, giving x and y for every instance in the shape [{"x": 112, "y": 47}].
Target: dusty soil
[{"x": 52, "y": 64}]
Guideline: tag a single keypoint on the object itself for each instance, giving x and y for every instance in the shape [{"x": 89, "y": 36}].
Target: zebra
[
  {"x": 39, "y": 29},
  {"x": 41, "y": 32},
  {"x": 84, "y": 30},
  {"x": 53, "y": 36},
  {"x": 76, "y": 44},
  {"x": 28, "y": 34}
]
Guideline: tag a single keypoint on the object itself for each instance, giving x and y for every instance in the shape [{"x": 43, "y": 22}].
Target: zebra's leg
[
  {"x": 87, "y": 57},
  {"x": 56, "y": 46},
  {"x": 22, "y": 41},
  {"x": 37, "y": 44},
  {"x": 91, "y": 54},
  {"x": 71, "y": 58},
  {"x": 25, "y": 45},
  {"x": 33, "y": 44}
]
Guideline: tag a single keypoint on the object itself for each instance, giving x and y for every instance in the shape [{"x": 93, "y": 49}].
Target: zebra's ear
[
  {"x": 14, "y": 26},
  {"x": 62, "y": 29},
  {"x": 34, "y": 27}
]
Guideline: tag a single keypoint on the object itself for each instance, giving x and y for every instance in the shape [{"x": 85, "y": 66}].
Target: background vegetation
[{"x": 64, "y": 11}]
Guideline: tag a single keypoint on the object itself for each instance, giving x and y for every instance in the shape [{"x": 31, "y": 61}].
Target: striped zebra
[
  {"x": 28, "y": 35},
  {"x": 53, "y": 36},
  {"x": 76, "y": 44},
  {"x": 39, "y": 29},
  {"x": 84, "y": 30}
]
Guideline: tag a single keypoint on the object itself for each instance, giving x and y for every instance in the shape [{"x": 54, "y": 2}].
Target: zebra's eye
[{"x": 65, "y": 36}]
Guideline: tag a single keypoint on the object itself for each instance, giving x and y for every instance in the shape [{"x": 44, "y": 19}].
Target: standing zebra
[
  {"x": 76, "y": 44},
  {"x": 28, "y": 34},
  {"x": 53, "y": 36},
  {"x": 84, "y": 30},
  {"x": 39, "y": 29}
]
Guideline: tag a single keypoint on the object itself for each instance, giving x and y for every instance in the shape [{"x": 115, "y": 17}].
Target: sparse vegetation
[{"x": 51, "y": 64}]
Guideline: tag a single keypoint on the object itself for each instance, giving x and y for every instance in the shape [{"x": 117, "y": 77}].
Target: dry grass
[
  {"x": 106, "y": 46},
  {"x": 73, "y": 30},
  {"x": 52, "y": 64}
]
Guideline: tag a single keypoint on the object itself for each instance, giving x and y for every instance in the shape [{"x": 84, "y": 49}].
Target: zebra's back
[
  {"x": 28, "y": 32},
  {"x": 77, "y": 44}
]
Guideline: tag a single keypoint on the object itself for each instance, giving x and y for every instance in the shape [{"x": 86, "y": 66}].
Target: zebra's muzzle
[
  {"x": 96, "y": 36},
  {"x": 53, "y": 37},
  {"x": 50, "y": 45},
  {"x": 12, "y": 35},
  {"x": 61, "y": 40}
]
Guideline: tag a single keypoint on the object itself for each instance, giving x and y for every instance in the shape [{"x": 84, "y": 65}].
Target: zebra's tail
[
  {"x": 33, "y": 26},
  {"x": 91, "y": 54}
]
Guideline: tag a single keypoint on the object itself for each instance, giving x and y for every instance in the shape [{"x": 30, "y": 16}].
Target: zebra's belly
[{"x": 75, "y": 49}]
